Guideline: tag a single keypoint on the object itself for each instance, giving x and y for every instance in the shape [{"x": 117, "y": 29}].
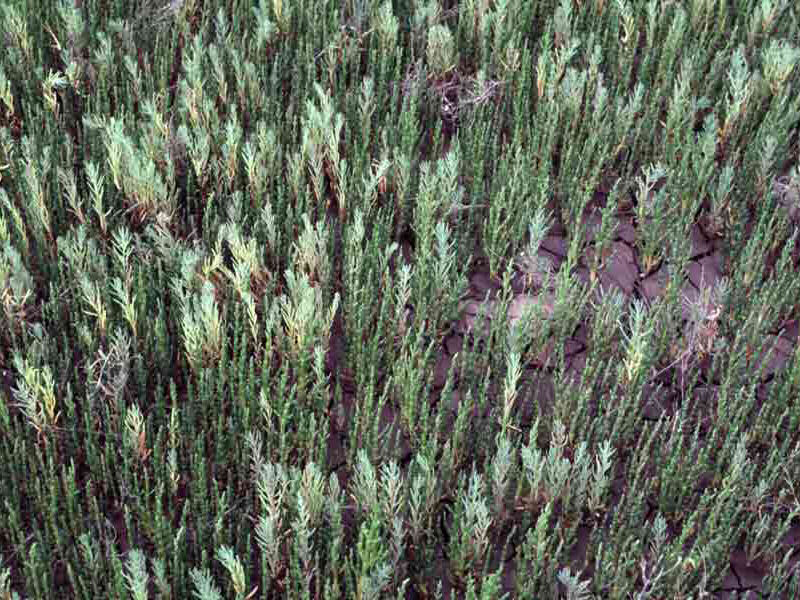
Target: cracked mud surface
[{"x": 621, "y": 273}]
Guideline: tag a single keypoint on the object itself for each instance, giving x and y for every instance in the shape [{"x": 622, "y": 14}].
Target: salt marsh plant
[{"x": 398, "y": 299}]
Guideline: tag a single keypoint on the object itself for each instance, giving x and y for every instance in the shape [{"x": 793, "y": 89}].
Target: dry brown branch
[{"x": 456, "y": 94}]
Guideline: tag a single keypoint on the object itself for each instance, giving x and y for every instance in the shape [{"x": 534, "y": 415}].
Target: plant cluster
[{"x": 408, "y": 299}]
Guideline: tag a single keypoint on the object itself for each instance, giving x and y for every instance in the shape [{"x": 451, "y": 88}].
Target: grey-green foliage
[
  {"x": 234, "y": 242},
  {"x": 204, "y": 586},
  {"x": 136, "y": 577},
  {"x": 16, "y": 283}
]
